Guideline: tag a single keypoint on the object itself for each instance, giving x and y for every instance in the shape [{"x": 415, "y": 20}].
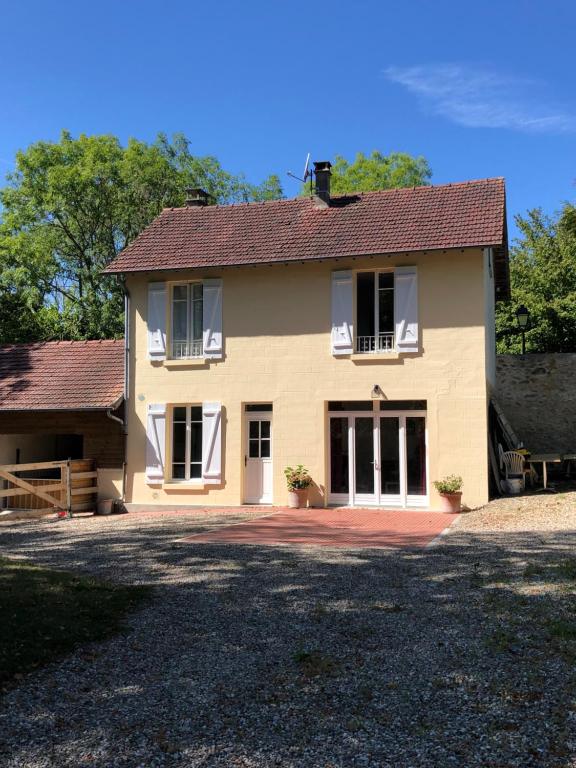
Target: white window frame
[
  {"x": 382, "y": 342},
  {"x": 377, "y": 499},
  {"x": 192, "y": 347},
  {"x": 188, "y": 444}
]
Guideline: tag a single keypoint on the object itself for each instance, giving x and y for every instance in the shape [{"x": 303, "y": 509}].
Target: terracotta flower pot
[
  {"x": 451, "y": 502},
  {"x": 298, "y": 498}
]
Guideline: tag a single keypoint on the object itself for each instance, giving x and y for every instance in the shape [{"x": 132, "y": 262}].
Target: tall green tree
[
  {"x": 367, "y": 173},
  {"x": 543, "y": 278},
  {"x": 70, "y": 207}
]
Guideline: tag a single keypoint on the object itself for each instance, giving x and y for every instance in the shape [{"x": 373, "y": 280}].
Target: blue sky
[{"x": 479, "y": 89}]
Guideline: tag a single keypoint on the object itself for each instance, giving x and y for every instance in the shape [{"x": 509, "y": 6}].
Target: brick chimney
[
  {"x": 322, "y": 175},
  {"x": 196, "y": 197}
]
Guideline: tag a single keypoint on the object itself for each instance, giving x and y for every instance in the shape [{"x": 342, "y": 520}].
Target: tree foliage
[
  {"x": 543, "y": 278},
  {"x": 377, "y": 171},
  {"x": 70, "y": 207}
]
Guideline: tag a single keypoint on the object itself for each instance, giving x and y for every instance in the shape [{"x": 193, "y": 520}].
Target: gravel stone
[{"x": 306, "y": 657}]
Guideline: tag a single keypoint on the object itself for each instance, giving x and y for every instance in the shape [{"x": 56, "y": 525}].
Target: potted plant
[
  {"x": 450, "y": 490},
  {"x": 298, "y": 481}
]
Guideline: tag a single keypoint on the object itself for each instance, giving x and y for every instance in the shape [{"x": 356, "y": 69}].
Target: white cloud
[{"x": 482, "y": 99}]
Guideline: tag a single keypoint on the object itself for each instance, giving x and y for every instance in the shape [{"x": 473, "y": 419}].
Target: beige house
[{"x": 354, "y": 335}]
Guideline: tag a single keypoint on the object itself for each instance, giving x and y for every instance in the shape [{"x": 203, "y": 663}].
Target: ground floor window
[{"x": 187, "y": 442}]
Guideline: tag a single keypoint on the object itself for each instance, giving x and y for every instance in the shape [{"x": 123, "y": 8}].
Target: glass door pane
[
  {"x": 179, "y": 443},
  {"x": 339, "y": 455},
  {"x": 416, "y": 455},
  {"x": 364, "y": 454},
  {"x": 265, "y": 439},
  {"x": 390, "y": 456},
  {"x": 386, "y": 302}
]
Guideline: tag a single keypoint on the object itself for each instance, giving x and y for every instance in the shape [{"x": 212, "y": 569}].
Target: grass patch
[
  {"x": 502, "y": 640},
  {"x": 315, "y": 663},
  {"x": 560, "y": 629},
  {"x": 45, "y": 614},
  {"x": 561, "y": 570},
  {"x": 319, "y": 611},
  {"x": 387, "y": 607},
  {"x": 567, "y": 569},
  {"x": 532, "y": 570}
]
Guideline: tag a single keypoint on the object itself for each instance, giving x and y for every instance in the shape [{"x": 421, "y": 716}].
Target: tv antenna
[{"x": 306, "y": 175}]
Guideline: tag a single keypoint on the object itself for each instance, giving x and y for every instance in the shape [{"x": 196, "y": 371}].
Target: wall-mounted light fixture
[
  {"x": 523, "y": 320},
  {"x": 377, "y": 392}
]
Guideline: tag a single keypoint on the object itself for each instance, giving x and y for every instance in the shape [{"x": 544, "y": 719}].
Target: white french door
[
  {"x": 258, "y": 458},
  {"x": 379, "y": 458}
]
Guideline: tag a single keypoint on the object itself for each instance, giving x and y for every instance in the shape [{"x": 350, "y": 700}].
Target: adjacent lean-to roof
[
  {"x": 61, "y": 375},
  {"x": 468, "y": 214}
]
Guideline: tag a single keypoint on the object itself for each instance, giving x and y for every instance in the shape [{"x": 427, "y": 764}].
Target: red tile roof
[
  {"x": 469, "y": 214},
  {"x": 61, "y": 375}
]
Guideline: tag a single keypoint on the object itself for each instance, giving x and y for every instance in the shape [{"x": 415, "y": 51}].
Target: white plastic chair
[{"x": 513, "y": 464}]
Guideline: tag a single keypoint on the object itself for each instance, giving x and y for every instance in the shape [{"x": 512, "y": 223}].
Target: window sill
[
  {"x": 175, "y": 485},
  {"x": 380, "y": 356},
  {"x": 188, "y": 362}
]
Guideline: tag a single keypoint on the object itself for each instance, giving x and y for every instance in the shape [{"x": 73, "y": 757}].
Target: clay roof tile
[
  {"x": 461, "y": 215},
  {"x": 61, "y": 375}
]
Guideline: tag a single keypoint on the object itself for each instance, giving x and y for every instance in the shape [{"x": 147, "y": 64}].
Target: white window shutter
[
  {"x": 157, "y": 321},
  {"x": 342, "y": 312},
  {"x": 212, "y": 443},
  {"x": 155, "y": 443},
  {"x": 406, "y": 308},
  {"x": 212, "y": 318}
]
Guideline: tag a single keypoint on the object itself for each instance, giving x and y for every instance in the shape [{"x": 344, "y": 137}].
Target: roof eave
[
  {"x": 325, "y": 257},
  {"x": 92, "y": 408}
]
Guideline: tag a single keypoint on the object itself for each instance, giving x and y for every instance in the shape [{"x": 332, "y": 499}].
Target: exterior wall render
[
  {"x": 110, "y": 483},
  {"x": 277, "y": 324}
]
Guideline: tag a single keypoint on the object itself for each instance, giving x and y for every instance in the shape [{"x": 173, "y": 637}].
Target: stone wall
[{"x": 537, "y": 393}]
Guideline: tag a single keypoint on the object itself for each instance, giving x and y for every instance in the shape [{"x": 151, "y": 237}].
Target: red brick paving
[{"x": 333, "y": 528}]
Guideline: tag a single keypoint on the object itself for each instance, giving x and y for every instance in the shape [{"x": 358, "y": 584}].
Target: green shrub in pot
[
  {"x": 298, "y": 481},
  {"x": 450, "y": 490}
]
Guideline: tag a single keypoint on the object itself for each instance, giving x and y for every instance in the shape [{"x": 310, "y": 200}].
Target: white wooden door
[{"x": 258, "y": 458}]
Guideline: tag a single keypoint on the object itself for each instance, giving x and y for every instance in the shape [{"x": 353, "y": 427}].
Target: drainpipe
[
  {"x": 126, "y": 377},
  {"x": 126, "y": 337},
  {"x": 114, "y": 418}
]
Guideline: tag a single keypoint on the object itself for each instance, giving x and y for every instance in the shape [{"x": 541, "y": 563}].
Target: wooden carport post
[{"x": 66, "y": 482}]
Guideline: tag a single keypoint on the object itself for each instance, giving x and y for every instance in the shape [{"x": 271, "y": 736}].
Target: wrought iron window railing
[
  {"x": 182, "y": 350},
  {"x": 383, "y": 342}
]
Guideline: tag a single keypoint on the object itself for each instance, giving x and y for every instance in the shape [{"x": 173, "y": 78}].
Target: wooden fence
[{"x": 74, "y": 488}]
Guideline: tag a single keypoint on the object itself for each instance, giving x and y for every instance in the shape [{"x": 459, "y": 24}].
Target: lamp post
[{"x": 523, "y": 318}]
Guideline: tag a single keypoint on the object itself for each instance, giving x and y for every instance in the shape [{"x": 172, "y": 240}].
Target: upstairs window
[
  {"x": 375, "y": 312},
  {"x": 187, "y": 442},
  {"x": 186, "y": 321}
]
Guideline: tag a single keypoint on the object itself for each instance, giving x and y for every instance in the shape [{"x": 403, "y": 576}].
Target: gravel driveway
[{"x": 307, "y": 657}]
